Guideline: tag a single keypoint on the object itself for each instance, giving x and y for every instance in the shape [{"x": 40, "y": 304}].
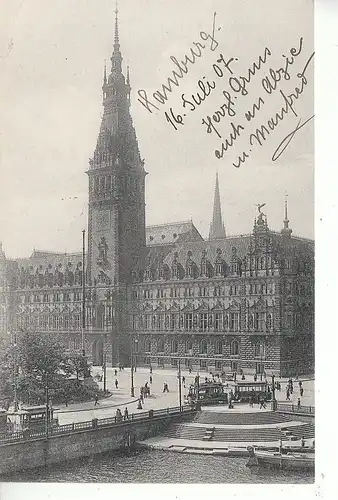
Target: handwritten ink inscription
[{"x": 228, "y": 122}]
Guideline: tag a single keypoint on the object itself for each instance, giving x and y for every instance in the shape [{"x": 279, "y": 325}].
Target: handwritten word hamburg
[{"x": 236, "y": 87}]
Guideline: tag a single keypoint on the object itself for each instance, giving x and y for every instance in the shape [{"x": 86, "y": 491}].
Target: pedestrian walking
[
  {"x": 300, "y": 384},
  {"x": 255, "y": 377},
  {"x": 150, "y": 379},
  {"x": 280, "y": 445},
  {"x": 151, "y": 369},
  {"x": 298, "y": 403},
  {"x": 262, "y": 403},
  {"x": 301, "y": 391},
  {"x": 303, "y": 441},
  {"x": 183, "y": 379},
  {"x": 287, "y": 394},
  {"x": 139, "y": 406},
  {"x": 115, "y": 372},
  {"x": 116, "y": 383},
  {"x": 96, "y": 400},
  {"x": 126, "y": 414},
  {"x": 165, "y": 387},
  {"x": 141, "y": 395},
  {"x": 189, "y": 370},
  {"x": 66, "y": 401}
]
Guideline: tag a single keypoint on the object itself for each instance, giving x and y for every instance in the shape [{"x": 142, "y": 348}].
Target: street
[{"x": 120, "y": 397}]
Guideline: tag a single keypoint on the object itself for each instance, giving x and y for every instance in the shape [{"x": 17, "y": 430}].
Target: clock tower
[{"x": 116, "y": 219}]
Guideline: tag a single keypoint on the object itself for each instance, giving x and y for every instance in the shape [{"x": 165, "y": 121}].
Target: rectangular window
[
  {"x": 134, "y": 294},
  {"x": 218, "y": 321},
  {"x": 234, "y": 322},
  {"x": 203, "y": 363},
  {"x": 217, "y": 291},
  {"x": 172, "y": 321},
  {"x": 203, "y": 321},
  {"x": 148, "y": 322},
  {"x": 188, "y": 321}
]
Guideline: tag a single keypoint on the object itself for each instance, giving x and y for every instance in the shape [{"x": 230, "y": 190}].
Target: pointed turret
[
  {"x": 217, "y": 229},
  {"x": 286, "y": 231}
]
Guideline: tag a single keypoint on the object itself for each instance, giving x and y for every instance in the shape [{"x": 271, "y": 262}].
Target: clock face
[{"x": 103, "y": 220}]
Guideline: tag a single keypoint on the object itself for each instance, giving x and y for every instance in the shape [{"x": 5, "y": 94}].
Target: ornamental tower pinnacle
[
  {"x": 286, "y": 231},
  {"x": 217, "y": 229},
  {"x": 116, "y": 219}
]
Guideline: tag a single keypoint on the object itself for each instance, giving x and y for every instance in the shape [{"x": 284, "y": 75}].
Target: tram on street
[
  {"x": 30, "y": 418},
  {"x": 256, "y": 391},
  {"x": 208, "y": 393}
]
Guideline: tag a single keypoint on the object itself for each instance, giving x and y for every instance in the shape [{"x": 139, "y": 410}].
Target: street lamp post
[
  {"x": 47, "y": 408},
  {"x": 136, "y": 351},
  {"x": 105, "y": 365},
  {"x": 132, "y": 389},
  {"x": 15, "y": 396},
  {"x": 273, "y": 390},
  {"x": 179, "y": 384}
]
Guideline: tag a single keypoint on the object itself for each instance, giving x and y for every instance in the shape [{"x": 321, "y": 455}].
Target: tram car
[
  {"x": 208, "y": 393},
  {"x": 245, "y": 391},
  {"x": 30, "y": 418}
]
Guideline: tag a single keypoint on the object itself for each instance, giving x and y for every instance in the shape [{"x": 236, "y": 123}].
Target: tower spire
[
  {"x": 116, "y": 58},
  {"x": 217, "y": 229},
  {"x": 116, "y": 37},
  {"x": 286, "y": 230}
]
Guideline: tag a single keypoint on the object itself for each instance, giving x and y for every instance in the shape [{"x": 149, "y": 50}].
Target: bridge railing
[
  {"x": 93, "y": 424},
  {"x": 290, "y": 408}
]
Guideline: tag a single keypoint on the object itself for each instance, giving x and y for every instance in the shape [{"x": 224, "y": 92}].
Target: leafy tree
[{"x": 40, "y": 359}]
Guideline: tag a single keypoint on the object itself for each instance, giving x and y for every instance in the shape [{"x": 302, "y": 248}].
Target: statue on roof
[{"x": 261, "y": 215}]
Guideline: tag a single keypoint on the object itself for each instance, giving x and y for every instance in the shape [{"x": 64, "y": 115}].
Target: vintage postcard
[{"x": 157, "y": 229}]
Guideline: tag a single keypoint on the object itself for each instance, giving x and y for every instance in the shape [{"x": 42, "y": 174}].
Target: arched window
[
  {"x": 218, "y": 347},
  {"x": 174, "y": 346},
  {"x": 188, "y": 346},
  {"x": 160, "y": 345},
  {"x": 203, "y": 347},
  {"x": 259, "y": 350},
  {"x": 147, "y": 347},
  {"x": 234, "y": 348},
  {"x": 268, "y": 322}
]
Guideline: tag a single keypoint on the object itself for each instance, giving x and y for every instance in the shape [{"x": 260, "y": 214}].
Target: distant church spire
[
  {"x": 286, "y": 230},
  {"x": 217, "y": 229}
]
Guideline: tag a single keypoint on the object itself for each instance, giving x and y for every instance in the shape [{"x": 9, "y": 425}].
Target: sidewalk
[{"x": 120, "y": 398}]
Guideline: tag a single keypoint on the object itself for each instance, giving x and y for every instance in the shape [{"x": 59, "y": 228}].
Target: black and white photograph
[{"x": 157, "y": 255}]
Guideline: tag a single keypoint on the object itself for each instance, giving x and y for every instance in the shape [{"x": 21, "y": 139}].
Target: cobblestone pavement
[{"x": 120, "y": 397}]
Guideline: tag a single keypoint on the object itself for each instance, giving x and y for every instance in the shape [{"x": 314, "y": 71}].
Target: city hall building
[{"x": 163, "y": 293}]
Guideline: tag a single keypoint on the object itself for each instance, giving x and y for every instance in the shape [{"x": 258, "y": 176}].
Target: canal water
[{"x": 154, "y": 466}]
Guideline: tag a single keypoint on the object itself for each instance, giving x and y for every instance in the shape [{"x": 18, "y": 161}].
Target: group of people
[
  {"x": 289, "y": 390},
  {"x": 119, "y": 417}
]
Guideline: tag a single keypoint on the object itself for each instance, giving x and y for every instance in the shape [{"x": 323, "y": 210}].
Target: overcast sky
[{"x": 52, "y": 56}]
